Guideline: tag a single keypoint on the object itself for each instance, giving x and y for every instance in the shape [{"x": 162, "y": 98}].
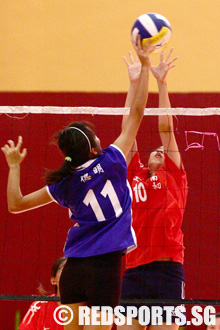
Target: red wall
[
  {"x": 30, "y": 242},
  {"x": 190, "y": 100}
]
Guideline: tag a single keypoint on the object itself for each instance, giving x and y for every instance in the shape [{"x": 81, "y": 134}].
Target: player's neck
[{"x": 152, "y": 173}]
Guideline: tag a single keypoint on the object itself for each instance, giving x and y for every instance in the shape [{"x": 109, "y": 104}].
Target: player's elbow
[
  {"x": 139, "y": 114},
  {"x": 134, "y": 120},
  {"x": 165, "y": 128},
  {"x": 165, "y": 124},
  {"x": 14, "y": 208}
]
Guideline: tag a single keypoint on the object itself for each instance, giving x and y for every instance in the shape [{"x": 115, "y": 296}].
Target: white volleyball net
[{"x": 30, "y": 242}]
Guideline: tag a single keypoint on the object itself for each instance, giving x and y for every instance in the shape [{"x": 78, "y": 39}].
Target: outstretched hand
[
  {"x": 13, "y": 154},
  {"x": 161, "y": 70},
  {"x": 134, "y": 67},
  {"x": 143, "y": 52}
]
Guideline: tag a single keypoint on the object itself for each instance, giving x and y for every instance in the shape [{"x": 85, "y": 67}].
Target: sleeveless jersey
[
  {"x": 40, "y": 316},
  {"x": 158, "y": 207},
  {"x": 99, "y": 198}
]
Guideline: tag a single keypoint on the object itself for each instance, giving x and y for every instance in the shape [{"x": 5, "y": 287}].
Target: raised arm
[
  {"x": 16, "y": 201},
  {"x": 165, "y": 122},
  {"x": 131, "y": 125},
  {"x": 134, "y": 70}
]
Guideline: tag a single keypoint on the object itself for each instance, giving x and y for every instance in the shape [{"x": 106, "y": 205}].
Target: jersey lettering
[
  {"x": 140, "y": 192},
  {"x": 156, "y": 185},
  {"x": 108, "y": 190},
  {"x": 91, "y": 200}
]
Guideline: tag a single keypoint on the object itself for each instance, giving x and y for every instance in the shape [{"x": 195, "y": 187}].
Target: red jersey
[
  {"x": 158, "y": 207},
  {"x": 40, "y": 317}
]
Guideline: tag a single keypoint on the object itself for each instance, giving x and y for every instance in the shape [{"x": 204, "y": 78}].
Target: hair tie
[{"x": 68, "y": 159}]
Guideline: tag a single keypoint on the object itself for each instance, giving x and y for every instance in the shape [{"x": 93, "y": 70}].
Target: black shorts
[
  {"x": 95, "y": 280},
  {"x": 156, "y": 280}
]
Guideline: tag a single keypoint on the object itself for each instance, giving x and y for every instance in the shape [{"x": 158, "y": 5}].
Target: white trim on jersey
[
  {"x": 51, "y": 196},
  {"x": 134, "y": 246},
  {"x": 131, "y": 247},
  {"x": 85, "y": 165},
  {"x": 113, "y": 145}
]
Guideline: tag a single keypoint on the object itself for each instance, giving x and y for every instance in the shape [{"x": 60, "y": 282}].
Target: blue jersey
[{"x": 99, "y": 198}]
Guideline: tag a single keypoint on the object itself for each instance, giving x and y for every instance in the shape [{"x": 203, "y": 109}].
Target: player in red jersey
[
  {"x": 154, "y": 270},
  {"x": 40, "y": 314}
]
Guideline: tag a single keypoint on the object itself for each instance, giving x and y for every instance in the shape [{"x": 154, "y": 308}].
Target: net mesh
[{"x": 31, "y": 241}]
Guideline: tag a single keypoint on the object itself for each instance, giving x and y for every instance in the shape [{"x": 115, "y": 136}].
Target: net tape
[
  {"x": 107, "y": 111},
  {"x": 122, "y": 302}
]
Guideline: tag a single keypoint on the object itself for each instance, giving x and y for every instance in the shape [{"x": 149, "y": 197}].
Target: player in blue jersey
[{"x": 92, "y": 183}]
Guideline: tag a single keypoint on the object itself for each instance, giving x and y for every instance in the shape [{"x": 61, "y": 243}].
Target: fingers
[
  {"x": 169, "y": 54},
  {"x": 137, "y": 59},
  {"x": 137, "y": 44},
  {"x": 147, "y": 44},
  {"x": 126, "y": 62},
  {"x": 13, "y": 154},
  {"x": 168, "y": 63},
  {"x": 20, "y": 140},
  {"x": 168, "y": 57},
  {"x": 24, "y": 153},
  {"x": 176, "y": 58},
  {"x": 11, "y": 145},
  {"x": 170, "y": 67},
  {"x": 4, "y": 150},
  {"x": 149, "y": 48},
  {"x": 131, "y": 57}
]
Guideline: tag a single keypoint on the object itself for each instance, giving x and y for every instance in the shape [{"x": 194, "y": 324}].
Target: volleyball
[{"x": 152, "y": 26}]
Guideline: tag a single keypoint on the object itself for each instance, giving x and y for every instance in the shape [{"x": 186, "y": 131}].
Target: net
[{"x": 31, "y": 241}]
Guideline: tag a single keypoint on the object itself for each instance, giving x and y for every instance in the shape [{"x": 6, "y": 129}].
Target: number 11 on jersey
[{"x": 107, "y": 191}]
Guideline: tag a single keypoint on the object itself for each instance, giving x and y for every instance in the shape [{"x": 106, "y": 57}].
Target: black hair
[
  {"x": 216, "y": 315},
  {"x": 74, "y": 145},
  {"x": 55, "y": 268},
  {"x": 53, "y": 273},
  {"x": 155, "y": 149}
]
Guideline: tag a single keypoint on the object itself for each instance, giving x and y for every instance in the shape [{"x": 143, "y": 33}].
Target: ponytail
[
  {"x": 75, "y": 142},
  {"x": 52, "y": 177}
]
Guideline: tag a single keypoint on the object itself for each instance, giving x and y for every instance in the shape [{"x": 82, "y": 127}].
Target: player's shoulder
[
  {"x": 136, "y": 164},
  {"x": 170, "y": 164},
  {"x": 44, "y": 302},
  {"x": 38, "y": 305},
  {"x": 34, "y": 312},
  {"x": 173, "y": 174},
  {"x": 114, "y": 150}
]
